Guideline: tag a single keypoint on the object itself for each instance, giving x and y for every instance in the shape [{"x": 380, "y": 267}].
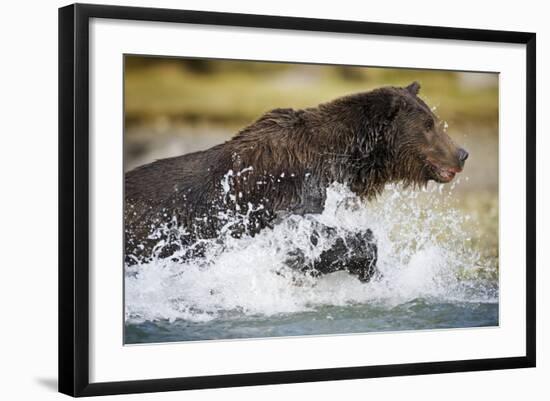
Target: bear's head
[{"x": 422, "y": 151}]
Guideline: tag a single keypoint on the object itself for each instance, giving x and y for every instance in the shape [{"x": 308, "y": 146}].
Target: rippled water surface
[{"x": 414, "y": 315}]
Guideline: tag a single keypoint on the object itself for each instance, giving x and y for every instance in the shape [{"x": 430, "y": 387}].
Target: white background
[{"x": 28, "y": 169}]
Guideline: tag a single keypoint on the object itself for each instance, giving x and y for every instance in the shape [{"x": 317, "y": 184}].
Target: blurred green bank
[{"x": 196, "y": 91}]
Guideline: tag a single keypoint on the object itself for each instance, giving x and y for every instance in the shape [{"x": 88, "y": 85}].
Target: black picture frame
[{"x": 74, "y": 198}]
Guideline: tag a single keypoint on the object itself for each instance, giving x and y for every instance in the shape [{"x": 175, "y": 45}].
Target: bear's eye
[{"x": 429, "y": 124}]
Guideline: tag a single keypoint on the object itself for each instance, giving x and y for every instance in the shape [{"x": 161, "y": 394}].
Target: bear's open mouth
[{"x": 443, "y": 174}]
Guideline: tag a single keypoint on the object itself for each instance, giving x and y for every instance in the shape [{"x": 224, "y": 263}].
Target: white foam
[{"x": 423, "y": 252}]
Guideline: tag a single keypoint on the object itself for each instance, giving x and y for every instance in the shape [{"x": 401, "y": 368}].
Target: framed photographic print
[{"x": 249, "y": 199}]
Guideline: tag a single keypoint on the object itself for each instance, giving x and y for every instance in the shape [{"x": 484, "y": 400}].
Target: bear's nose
[{"x": 462, "y": 155}]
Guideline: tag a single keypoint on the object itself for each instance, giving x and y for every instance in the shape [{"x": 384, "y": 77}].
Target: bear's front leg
[{"x": 354, "y": 252}]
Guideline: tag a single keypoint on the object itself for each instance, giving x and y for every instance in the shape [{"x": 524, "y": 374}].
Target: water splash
[{"x": 424, "y": 252}]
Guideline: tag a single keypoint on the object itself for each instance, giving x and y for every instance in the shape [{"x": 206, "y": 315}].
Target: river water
[{"x": 433, "y": 277}]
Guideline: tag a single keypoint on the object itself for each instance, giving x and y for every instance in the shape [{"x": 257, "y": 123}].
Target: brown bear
[{"x": 283, "y": 163}]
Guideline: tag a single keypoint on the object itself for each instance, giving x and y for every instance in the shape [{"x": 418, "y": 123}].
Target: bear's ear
[{"x": 413, "y": 88}]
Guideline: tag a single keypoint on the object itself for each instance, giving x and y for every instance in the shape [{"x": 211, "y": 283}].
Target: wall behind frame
[{"x": 28, "y": 207}]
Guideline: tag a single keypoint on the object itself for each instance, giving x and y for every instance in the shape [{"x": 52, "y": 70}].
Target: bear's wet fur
[{"x": 283, "y": 163}]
